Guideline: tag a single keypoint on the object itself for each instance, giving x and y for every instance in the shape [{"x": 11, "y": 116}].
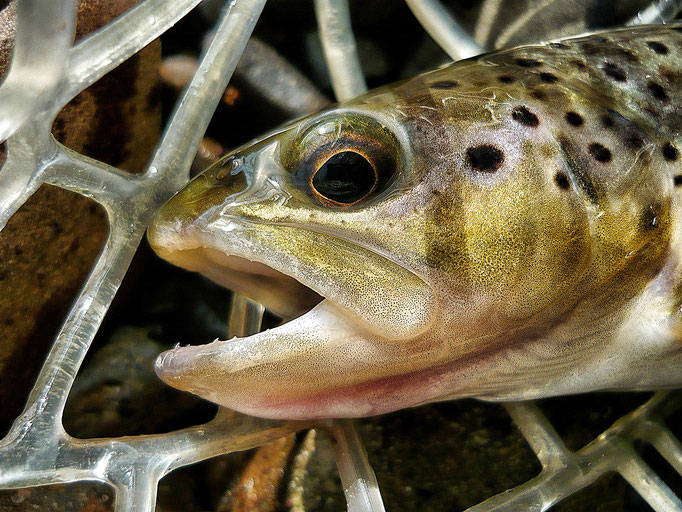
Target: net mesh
[{"x": 47, "y": 71}]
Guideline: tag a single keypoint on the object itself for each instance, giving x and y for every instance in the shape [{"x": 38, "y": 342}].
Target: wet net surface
[{"x": 47, "y": 71}]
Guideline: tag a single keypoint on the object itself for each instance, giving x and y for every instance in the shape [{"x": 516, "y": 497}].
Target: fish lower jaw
[{"x": 303, "y": 369}]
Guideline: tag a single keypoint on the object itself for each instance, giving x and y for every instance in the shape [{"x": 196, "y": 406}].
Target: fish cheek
[{"x": 515, "y": 246}]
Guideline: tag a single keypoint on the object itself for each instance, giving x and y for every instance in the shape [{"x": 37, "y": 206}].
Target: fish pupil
[{"x": 345, "y": 177}]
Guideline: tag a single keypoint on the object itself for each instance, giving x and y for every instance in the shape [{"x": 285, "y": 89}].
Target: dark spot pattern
[
  {"x": 548, "y": 78},
  {"x": 561, "y": 180},
  {"x": 669, "y": 74},
  {"x": 538, "y": 95},
  {"x": 614, "y": 72},
  {"x": 558, "y": 46},
  {"x": 590, "y": 48},
  {"x": 574, "y": 119},
  {"x": 652, "y": 112},
  {"x": 649, "y": 218},
  {"x": 485, "y": 158},
  {"x": 659, "y": 48},
  {"x": 599, "y": 152},
  {"x": 634, "y": 141},
  {"x": 677, "y": 180},
  {"x": 444, "y": 84},
  {"x": 505, "y": 79},
  {"x": 628, "y": 55},
  {"x": 670, "y": 152},
  {"x": 528, "y": 63},
  {"x": 525, "y": 117},
  {"x": 657, "y": 90},
  {"x": 607, "y": 121},
  {"x": 580, "y": 65}
]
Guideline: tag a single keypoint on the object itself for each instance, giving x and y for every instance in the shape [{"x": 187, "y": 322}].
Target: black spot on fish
[
  {"x": 653, "y": 113},
  {"x": 599, "y": 152},
  {"x": 671, "y": 76},
  {"x": 559, "y": 46},
  {"x": 524, "y": 116},
  {"x": 628, "y": 55},
  {"x": 528, "y": 63},
  {"x": 590, "y": 48},
  {"x": 485, "y": 158},
  {"x": 670, "y": 152},
  {"x": 649, "y": 218},
  {"x": 677, "y": 180},
  {"x": 614, "y": 72},
  {"x": 579, "y": 64},
  {"x": 561, "y": 180},
  {"x": 444, "y": 84},
  {"x": 505, "y": 79},
  {"x": 574, "y": 119},
  {"x": 607, "y": 121},
  {"x": 657, "y": 90},
  {"x": 634, "y": 141},
  {"x": 659, "y": 48},
  {"x": 548, "y": 78}
]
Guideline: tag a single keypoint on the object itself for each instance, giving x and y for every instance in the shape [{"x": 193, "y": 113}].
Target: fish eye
[
  {"x": 344, "y": 178},
  {"x": 344, "y": 161}
]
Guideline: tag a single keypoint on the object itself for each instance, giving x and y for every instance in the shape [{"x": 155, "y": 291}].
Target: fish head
[{"x": 438, "y": 227}]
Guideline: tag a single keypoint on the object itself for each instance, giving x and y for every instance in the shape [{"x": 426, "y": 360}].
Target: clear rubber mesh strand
[{"x": 46, "y": 73}]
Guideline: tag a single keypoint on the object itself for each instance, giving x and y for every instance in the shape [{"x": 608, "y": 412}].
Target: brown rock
[
  {"x": 76, "y": 497},
  {"x": 260, "y": 481}
]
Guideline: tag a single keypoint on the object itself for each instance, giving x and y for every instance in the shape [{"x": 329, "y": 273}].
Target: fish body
[{"x": 506, "y": 227}]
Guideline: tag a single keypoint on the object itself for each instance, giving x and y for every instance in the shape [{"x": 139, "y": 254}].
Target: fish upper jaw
[{"x": 386, "y": 298}]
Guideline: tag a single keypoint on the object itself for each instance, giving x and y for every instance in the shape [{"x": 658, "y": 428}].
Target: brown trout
[{"x": 507, "y": 227}]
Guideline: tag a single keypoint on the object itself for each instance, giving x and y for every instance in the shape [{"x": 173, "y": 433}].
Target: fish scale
[{"x": 506, "y": 227}]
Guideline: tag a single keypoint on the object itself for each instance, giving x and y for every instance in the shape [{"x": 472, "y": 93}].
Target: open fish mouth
[
  {"x": 279, "y": 293},
  {"x": 352, "y": 314}
]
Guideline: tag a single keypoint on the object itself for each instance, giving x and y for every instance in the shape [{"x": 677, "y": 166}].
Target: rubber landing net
[{"x": 46, "y": 73}]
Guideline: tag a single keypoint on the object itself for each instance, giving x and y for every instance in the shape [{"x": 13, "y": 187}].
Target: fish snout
[{"x": 174, "y": 223}]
